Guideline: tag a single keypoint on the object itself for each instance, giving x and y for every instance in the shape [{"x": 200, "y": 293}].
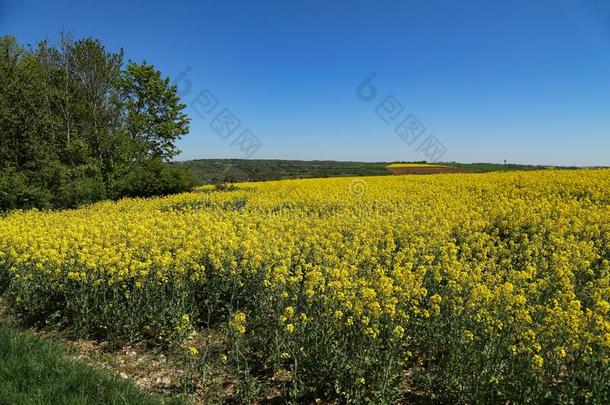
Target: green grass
[{"x": 36, "y": 370}]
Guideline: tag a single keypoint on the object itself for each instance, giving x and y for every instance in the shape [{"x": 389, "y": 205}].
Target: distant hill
[{"x": 212, "y": 171}]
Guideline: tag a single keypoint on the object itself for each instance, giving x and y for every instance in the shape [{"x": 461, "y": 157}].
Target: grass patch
[{"x": 37, "y": 370}]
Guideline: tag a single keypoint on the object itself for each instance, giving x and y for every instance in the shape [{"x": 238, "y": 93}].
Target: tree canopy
[{"x": 78, "y": 124}]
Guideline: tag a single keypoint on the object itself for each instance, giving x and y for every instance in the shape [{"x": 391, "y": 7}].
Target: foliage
[
  {"x": 215, "y": 171},
  {"x": 481, "y": 288},
  {"x": 74, "y": 122},
  {"x": 154, "y": 117},
  {"x": 408, "y": 165},
  {"x": 218, "y": 171},
  {"x": 151, "y": 177}
]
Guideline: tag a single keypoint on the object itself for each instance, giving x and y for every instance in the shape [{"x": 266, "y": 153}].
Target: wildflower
[
  {"x": 604, "y": 306},
  {"x": 238, "y": 323},
  {"x": 560, "y": 352},
  {"x": 372, "y": 331},
  {"x": 184, "y": 325},
  {"x": 537, "y": 362}
]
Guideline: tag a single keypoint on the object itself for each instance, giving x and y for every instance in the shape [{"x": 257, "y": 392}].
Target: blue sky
[{"x": 525, "y": 81}]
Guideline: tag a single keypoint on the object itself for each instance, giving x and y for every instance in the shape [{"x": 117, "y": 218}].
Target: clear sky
[{"x": 525, "y": 81}]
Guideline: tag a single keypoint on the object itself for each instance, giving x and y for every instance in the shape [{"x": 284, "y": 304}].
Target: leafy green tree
[
  {"x": 154, "y": 117},
  {"x": 76, "y": 125}
]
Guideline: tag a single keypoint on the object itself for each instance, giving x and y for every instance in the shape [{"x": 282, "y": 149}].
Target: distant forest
[
  {"x": 218, "y": 171},
  {"x": 79, "y": 124}
]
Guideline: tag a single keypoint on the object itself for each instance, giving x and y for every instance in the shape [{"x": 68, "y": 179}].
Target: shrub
[{"x": 152, "y": 177}]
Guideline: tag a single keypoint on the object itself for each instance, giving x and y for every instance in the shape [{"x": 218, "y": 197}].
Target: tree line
[{"x": 79, "y": 124}]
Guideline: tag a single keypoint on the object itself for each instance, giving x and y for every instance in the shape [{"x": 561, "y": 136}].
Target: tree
[
  {"x": 98, "y": 73},
  {"x": 154, "y": 117},
  {"x": 77, "y": 126}
]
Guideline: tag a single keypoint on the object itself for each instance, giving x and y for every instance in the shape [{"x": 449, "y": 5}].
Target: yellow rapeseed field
[{"x": 472, "y": 288}]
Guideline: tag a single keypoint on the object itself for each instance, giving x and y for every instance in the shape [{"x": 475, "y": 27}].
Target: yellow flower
[
  {"x": 604, "y": 306},
  {"x": 372, "y": 331},
  {"x": 238, "y": 323},
  {"x": 560, "y": 352},
  {"x": 193, "y": 351},
  {"x": 468, "y": 336},
  {"x": 184, "y": 325},
  {"x": 537, "y": 362},
  {"x": 290, "y": 328}
]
